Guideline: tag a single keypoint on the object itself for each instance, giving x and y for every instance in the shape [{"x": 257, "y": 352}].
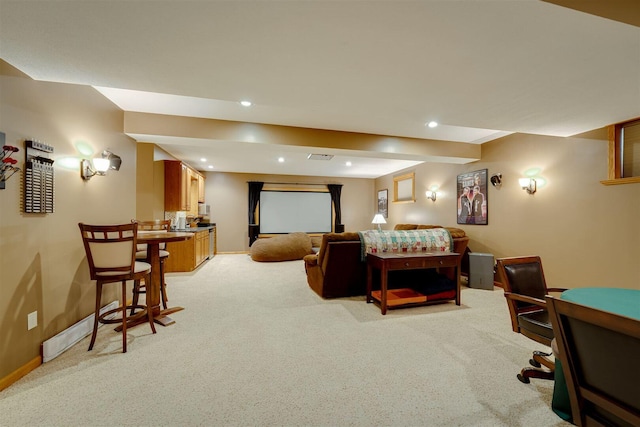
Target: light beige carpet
[{"x": 255, "y": 346}]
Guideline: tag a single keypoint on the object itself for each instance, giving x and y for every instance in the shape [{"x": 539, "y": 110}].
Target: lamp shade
[
  {"x": 378, "y": 219},
  {"x": 101, "y": 164}
]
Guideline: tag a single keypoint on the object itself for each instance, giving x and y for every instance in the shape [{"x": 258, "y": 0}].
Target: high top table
[
  {"x": 625, "y": 302},
  {"x": 153, "y": 240}
]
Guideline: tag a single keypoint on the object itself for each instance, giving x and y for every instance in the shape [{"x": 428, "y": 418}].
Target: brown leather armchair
[
  {"x": 525, "y": 290},
  {"x": 336, "y": 270}
]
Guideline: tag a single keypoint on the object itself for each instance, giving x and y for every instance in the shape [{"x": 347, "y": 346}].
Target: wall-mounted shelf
[{"x": 38, "y": 178}]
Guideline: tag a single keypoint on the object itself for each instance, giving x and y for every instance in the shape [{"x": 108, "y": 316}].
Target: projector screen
[{"x": 291, "y": 211}]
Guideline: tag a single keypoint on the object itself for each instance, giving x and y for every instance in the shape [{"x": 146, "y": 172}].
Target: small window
[
  {"x": 630, "y": 140},
  {"x": 404, "y": 188},
  {"x": 624, "y": 153}
]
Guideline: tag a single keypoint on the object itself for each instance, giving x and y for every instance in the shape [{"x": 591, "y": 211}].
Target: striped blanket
[{"x": 429, "y": 240}]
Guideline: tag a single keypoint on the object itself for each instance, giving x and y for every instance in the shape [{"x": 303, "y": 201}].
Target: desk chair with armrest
[
  {"x": 599, "y": 352},
  {"x": 141, "y": 255},
  {"x": 110, "y": 251},
  {"x": 525, "y": 289}
]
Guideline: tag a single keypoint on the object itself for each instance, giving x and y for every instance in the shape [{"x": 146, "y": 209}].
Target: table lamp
[{"x": 378, "y": 219}]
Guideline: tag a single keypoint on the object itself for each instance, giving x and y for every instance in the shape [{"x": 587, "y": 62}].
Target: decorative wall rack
[{"x": 38, "y": 178}]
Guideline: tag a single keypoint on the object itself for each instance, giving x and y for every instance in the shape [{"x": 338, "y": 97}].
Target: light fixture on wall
[
  {"x": 432, "y": 193},
  {"x": 107, "y": 161},
  {"x": 378, "y": 219},
  {"x": 496, "y": 180},
  {"x": 528, "y": 184}
]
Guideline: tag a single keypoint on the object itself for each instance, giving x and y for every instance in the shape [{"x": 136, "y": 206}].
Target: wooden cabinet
[
  {"x": 185, "y": 191},
  {"x": 189, "y": 254},
  {"x": 177, "y": 186},
  {"x": 200, "y": 188},
  {"x": 202, "y": 246}
]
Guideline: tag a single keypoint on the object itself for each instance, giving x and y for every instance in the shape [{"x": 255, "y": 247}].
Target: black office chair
[
  {"x": 599, "y": 352},
  {"x": 525, "y": 289}
]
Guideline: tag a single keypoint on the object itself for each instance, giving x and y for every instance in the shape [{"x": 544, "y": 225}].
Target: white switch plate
[{"x": 32, "y": 320}]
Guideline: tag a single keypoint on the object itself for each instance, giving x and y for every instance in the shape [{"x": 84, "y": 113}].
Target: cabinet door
[
  {"x": 185, "y": 201},
  {"x": 173, "y": 185},
  {"x": 200, "y": 188}
]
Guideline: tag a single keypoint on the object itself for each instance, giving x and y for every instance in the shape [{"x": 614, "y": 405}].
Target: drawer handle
[{"x": 406, "y": 264}]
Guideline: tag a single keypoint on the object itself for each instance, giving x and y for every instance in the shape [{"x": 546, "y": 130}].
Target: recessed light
[
  {"x": 281, "y": 159},
  {"x": 432, "y": 124},
  {"x": 348, "y": 163},
  {"x": 210, "y": 166},
  {"x": 203, "y": 160},
  {"x": 246, "y": 103}
]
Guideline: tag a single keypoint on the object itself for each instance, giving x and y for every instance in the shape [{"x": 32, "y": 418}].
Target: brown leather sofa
[{"x": 337, "y": 269}]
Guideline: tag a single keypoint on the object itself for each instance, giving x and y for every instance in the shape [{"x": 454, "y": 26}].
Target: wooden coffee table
[{"x": 388, "y": 261}]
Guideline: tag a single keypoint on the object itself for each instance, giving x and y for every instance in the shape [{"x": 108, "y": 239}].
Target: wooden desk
[
  {"x": 153, "y": 241},
  {"x": 388, "y": 261}
]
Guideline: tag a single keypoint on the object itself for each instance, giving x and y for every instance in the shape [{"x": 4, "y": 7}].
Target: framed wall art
[
  {"x": 383, "y": 203},
  {"x": 472, "y": 198}
]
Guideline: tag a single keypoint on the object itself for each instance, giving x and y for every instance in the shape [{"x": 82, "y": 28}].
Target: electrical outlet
[{"x": 32, "y": 320}]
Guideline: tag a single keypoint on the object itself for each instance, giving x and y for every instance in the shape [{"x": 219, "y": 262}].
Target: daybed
[{"x": 338, "y": 269}]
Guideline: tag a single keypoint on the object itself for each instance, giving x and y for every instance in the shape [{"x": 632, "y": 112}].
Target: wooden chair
[
  {"x": 525, "y": 289},
  {"x": 599, "y": 352},
  {"x": 141, "y": 255},
  {"x": 111, "y": 253}
]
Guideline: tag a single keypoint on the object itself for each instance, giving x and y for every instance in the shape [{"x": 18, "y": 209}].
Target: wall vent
[{"x": 320, "y": 156}]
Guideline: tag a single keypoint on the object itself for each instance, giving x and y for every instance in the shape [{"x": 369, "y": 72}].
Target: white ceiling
[{"x": 481, "y": 68}]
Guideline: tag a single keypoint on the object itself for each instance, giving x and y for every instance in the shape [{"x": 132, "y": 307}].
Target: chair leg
[
  {"x": 136, "y": 296},
  {"x": 124, "y": 316},
  {"x": 528, "y": 372},
  {"x": 96, "y": 315},
  {"x": 542, "y": 359},
  {"x": 149, "y": 313}
]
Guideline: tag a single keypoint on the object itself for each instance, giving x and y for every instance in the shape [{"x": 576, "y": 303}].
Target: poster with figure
[{"x": 472, "y": 198}]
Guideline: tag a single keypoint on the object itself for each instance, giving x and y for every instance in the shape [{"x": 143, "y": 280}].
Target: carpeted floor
[{"x": 256, "y": 347}]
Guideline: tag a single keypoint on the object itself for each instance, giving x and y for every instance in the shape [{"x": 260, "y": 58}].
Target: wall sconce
[
  {"x": 496, "y": 180},
  {"x": 378, "y": 219},
  {"x": 101, "y": 165},
  {"x": 528, "y": 184},
  {"x": 432, "y": 195}
]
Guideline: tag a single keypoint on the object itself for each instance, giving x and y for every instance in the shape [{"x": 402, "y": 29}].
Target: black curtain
[
  {"x": 335, "y": 190},
  {"x": 254, "y": 197}
]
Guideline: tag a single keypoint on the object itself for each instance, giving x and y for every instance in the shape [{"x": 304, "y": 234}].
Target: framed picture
[
  {"x": 472, "y": 198},
  {"x": 383, "y": 203}
]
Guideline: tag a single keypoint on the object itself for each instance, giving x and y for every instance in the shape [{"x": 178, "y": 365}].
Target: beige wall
[
  {"x": 42, "y": 261},
  {"x": 587, "y": 234},
  {"x": 227, "y": 193}
]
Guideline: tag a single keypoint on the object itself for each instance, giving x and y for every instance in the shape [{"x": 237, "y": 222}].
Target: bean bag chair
[{"x": 287, "y": 247}]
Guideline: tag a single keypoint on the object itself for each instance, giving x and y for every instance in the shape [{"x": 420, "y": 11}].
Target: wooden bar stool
[{"x": 111, "y": 251}]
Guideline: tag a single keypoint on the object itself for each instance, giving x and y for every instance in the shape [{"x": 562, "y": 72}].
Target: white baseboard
[{"x": 58, "y": 344}]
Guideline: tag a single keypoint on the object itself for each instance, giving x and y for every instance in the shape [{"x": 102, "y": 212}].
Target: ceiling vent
[{"x": 320, "y": 156}]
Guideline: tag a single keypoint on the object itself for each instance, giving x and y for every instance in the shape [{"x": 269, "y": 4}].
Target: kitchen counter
[
  {"x": 196, "y": 229},
  {"x": 188, "y": 255}
]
